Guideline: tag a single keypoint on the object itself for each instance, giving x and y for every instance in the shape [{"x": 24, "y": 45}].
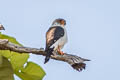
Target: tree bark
[{"x": 75, "y": 61}]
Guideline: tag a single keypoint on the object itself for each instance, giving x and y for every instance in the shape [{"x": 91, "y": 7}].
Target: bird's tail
[{"x": 49, "y": 52}]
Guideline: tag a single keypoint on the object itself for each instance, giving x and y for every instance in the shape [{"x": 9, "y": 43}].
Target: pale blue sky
[{"x": 93, "y": 28}]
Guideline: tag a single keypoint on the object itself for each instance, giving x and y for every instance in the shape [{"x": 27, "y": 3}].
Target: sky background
[{"x": 93, "y": 28}]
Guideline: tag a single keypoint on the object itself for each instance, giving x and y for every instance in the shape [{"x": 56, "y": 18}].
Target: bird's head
[
  {"x": 59, "y": 22},
  {"x": 1, "y": 27}
]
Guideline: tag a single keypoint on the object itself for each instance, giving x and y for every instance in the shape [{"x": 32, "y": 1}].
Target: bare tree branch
[{"x": 75, "y": 61}]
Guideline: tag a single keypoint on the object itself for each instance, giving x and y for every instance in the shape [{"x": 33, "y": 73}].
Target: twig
[{"x": 75, "y": 61}]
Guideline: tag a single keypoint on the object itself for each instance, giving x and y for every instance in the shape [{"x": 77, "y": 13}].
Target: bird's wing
[{"x": 53, "y": 34}]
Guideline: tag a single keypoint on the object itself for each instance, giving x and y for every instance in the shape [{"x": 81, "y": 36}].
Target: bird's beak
[{"x": 2, "y": 28}]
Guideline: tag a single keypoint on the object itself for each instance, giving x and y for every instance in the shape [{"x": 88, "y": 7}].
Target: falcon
[
  {"x": 56, "y": 38},
  {"x": 1, "y": 27}
]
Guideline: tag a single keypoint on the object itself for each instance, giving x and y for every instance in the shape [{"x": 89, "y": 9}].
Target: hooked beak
[{"x": 1, "y": 27}]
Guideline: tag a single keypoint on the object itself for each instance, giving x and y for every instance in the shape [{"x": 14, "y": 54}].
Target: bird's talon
[{"x": 60, "y": 52}]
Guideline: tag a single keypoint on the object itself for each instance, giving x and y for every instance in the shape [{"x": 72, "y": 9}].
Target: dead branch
[{"x": 75, "y": 61}]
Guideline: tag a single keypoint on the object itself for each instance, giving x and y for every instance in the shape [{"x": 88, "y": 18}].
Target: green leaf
[
  {"x": 6, "y": 70},
  {"x": 11, "y": 39},
  {"x": 6, "y": 53},
  {"x": 31, "y": 72},
  {"x": 0, "y": 59},
  {"x": 17, "y": 60}
]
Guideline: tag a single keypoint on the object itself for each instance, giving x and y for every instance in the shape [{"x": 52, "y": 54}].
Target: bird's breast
[{"x": 63, "y": 40}]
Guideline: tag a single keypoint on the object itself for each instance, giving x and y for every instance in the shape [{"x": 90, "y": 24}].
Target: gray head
[{"x": 59, "y": 21}]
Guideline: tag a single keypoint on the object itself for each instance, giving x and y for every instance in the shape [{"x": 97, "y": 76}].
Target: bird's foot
[{"x": 60, "y": 52}]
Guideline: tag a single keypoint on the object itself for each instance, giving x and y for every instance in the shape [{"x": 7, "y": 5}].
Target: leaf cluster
[{"x": 14, "y": 63}]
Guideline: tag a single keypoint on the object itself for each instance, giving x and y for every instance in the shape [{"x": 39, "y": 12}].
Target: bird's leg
[{"x": 60, "y": 52}]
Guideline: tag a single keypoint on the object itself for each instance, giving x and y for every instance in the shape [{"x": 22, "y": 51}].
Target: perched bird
[
  {"x": 1, "y": 27},
  {"x": 56, "y": 37}
]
